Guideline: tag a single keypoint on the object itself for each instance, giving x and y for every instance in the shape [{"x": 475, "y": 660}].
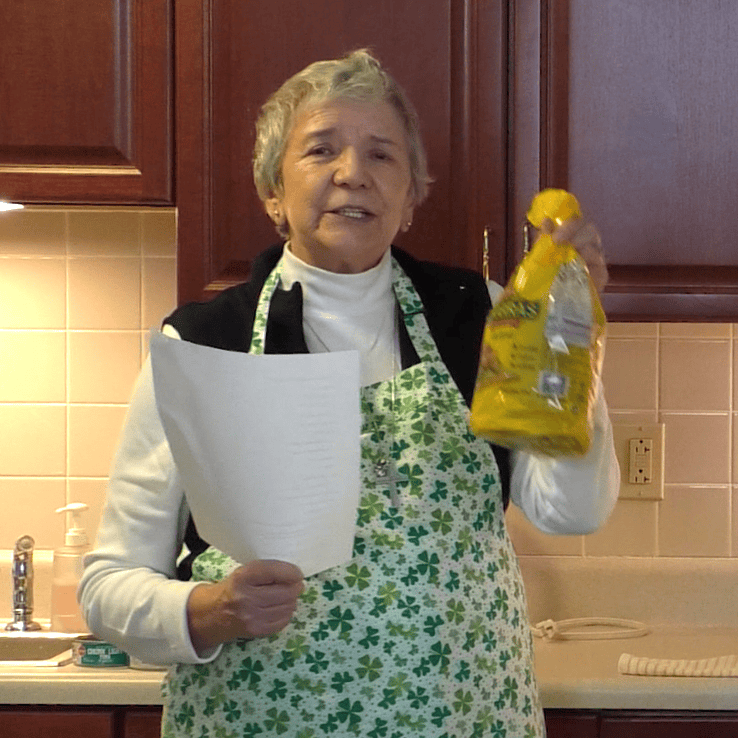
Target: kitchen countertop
[
  {"x": 79, "y": 685},
  {"x": 571, "y": 674},
  {"x": 584, "y": 674}
]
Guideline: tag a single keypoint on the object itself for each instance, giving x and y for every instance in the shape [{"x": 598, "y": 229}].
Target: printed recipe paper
[{"x": 268, "y": 448}]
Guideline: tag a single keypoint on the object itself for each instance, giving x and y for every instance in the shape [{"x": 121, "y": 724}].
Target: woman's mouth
[{"x": 353, "y": 212}]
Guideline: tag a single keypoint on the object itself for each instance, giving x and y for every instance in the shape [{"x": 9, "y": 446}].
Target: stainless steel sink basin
[{"x": 35, "y": 649}]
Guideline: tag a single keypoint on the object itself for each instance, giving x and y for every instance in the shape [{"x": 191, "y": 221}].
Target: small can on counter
[{"x": 89, "y": 651}]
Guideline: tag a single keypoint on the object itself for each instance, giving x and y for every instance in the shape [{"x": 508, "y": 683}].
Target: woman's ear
[
  {"x": 273, "y": 206},
  {"x": 407, "y": 215}
]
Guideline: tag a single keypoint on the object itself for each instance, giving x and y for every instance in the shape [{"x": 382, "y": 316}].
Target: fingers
[
  {"x": 585, "y": 238},
  {"x": 270, "y": 571},
  {"x": 258, "y": 599},
  {"x": 576, "y": 232},
  {"x": 264, "y": 596}
]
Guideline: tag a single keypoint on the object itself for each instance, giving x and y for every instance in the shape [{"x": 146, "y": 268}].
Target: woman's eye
[
  {"x": 321, "y": 150},
  {"x": 382, "y": 155}
]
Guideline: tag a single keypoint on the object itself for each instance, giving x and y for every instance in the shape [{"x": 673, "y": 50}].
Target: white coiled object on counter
[
  {"x": 719, "y": 666},
  {"x": 565, "y": 630}
]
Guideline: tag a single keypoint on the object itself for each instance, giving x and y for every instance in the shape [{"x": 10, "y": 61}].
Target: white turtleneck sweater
[
  {"x": 129, "y": 592},
  {"x": 342, "y": 312}
]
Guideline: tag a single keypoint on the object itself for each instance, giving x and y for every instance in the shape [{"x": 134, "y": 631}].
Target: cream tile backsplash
[
  {"x": 81, "y": 287},
  {"x": 681, "y": 374}
]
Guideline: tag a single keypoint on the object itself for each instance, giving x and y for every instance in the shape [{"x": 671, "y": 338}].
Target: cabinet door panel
[
  {"x": 630, "y": 105},
  {"x": 441, "y": 52},
  {"x": 56, "y": 723},
  {"x": 85, "y": 92},
  {"x": 571, "y": 724},
  {"x": 142, "y": 722},
  {"x": 695, "y": 725}
]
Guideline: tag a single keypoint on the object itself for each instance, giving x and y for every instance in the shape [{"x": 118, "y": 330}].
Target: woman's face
[{"x": 346, "y": 184}]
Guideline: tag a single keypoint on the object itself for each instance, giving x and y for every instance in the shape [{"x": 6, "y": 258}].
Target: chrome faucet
[{"x": 22, "y": 573}]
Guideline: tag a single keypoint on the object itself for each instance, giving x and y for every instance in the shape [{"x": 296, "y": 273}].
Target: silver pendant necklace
[{"x": 386, "y": 473}]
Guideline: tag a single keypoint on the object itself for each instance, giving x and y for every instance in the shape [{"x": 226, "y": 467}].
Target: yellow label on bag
[{"x": 541, "y": 352}]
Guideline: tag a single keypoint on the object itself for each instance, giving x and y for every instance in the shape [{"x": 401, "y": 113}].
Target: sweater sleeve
[
  {"x": 570, "y": 495},
  {"x": 128, "y": 592}
]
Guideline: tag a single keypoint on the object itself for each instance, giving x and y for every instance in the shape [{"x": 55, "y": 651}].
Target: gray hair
[{"x": 356, "y": 76}]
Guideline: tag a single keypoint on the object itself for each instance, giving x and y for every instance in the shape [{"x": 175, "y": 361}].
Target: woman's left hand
[{"x": 585, "y": 238}]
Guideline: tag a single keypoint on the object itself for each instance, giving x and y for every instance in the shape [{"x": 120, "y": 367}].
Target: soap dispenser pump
[{"x": 66, "y": 616}]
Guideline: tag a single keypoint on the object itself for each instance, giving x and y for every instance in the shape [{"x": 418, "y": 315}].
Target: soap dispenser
[{"x": 66, "y": 616}]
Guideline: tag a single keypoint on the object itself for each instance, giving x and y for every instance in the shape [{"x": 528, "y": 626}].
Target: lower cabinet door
[
  {"x": 665, "y": 725},
  {"x": 56, "y": 722},
  {"x": 571, "y": 724},
  {"x": 142, "y": 722}
]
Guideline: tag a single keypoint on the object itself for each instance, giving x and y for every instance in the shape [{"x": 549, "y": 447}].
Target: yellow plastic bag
[{"x": 542, "y": 347}]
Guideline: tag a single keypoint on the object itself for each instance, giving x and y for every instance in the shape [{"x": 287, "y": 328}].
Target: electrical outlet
[
  {"x": 640, "y": 460},
  {"x": 640, "y": 452}
]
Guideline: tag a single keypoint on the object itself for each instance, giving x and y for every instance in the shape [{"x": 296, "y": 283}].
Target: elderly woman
[{"x": 424, "y": 631}]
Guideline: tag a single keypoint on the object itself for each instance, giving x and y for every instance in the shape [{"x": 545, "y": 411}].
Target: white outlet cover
[{"x": 622, "y": 435}]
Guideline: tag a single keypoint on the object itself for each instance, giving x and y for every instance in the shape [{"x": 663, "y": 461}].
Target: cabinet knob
[
  {"x": 485, "y": 253},
  {"x": 527, "y": 236}
]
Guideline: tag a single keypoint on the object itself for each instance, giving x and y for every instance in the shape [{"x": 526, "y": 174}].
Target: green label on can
[{"x": 98, "y": 653}]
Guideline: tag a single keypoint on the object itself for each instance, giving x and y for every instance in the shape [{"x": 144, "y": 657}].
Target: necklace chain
[
  {"x": 385, "y": 468},
  {"x": 386, "y": 472}
]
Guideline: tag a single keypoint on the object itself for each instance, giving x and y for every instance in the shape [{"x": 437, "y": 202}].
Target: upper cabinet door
[
  {"x": 631, "y": 105},
  {"x": 232, "y": 54},
  {"x": 85, "y": 101}
]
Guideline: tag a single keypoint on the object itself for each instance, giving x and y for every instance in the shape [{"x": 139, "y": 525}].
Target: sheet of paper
[{"x": 267, "y": 446}]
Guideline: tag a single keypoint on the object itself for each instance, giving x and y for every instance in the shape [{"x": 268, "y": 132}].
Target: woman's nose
[{"x": 350, "y": 169}]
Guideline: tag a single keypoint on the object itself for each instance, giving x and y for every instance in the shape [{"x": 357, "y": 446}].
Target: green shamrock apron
[{"x": 424, "y": 632}]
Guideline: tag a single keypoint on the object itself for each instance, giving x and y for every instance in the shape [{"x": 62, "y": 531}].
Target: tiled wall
[
  {"x": 682, "y": 375},
  {"x": 80, "y": 288}
]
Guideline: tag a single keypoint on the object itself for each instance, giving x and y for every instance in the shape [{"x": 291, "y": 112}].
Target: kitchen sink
[{"x": 35, "y": 649}]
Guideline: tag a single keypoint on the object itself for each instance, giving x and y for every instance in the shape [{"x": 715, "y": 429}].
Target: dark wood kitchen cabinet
[
  {"x": 145, "y": 722},
  {"x": 62, "y": 721},
  {"x": 50, "y": 722},
  {"x": 142, "y": 722},
  {"x": 628, "y": 104},
  {"x": 640, "y": 724},
  {"x": 571, "y": 724},
  {"x": 631, "y": 105},
  {"x": 86, "y": 101},
  {"x": 231, "y": 54},
  {"x": 670, "y": 725}
]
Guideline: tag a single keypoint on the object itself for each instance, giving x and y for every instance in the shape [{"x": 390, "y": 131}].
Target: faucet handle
[
  {"x": 22, "y": 573},
  {"x": 24, "y": 544}
]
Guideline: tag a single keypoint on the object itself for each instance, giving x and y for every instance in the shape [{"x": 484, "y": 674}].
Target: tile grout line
[
  {"x": 731, "y": 459},
  {"x": 67, "y": 359},
  {"x": 142, "y": 287},
  {"x": 657, "y": 384}
]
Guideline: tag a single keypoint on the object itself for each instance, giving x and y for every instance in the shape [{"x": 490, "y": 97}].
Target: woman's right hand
[{"x": 257, "y": 599}]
